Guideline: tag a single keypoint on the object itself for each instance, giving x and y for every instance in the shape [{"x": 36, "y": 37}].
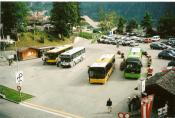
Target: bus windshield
[
  {"x": 51, "y": 55},
  {"x": 65, "y": 58},
  {"x": 96, "y": 72}
]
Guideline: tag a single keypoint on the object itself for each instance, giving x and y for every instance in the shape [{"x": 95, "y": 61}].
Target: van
[{"x": 155, "y": 38}]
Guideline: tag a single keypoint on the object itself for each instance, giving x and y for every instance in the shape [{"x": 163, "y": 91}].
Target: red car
[{"x": 147, "y": 40}]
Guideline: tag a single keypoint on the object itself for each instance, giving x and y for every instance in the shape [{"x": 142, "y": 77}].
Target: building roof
[{"x": 165, "y": 80}]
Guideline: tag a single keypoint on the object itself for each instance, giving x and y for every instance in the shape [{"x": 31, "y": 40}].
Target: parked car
[
  {"x": 166, "y": 42},
  {"x": 155, "y": 38},
  {"x": 171, "y": 63},
  {"x": 171, "y": 39},
  {"x": 147, "y": 40},
  {"x": 133, "y": 43},
  {"x": 126, "y": 43},
  {"x": 159, "y": 46},
  {"x": 166, "y": 54}
]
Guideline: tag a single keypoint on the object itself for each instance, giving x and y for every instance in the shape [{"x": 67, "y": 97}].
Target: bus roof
[
  {"x": 102, "y": 64},
  {"x": 135, "y": 49},
  {"x": 72, "y": 51},
  {"x": 103, "y": 60},
  {"x": 135, "y": 53},
  {"x": 59, "y": 48}
]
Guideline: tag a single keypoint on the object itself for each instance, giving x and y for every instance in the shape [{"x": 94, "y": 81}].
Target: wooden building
[
  {"x": 162, "y": 85},
  {"x": 32, "y": 52},
  {"x": 27, "y": 53},
  {"x": 41, "y": 50}
]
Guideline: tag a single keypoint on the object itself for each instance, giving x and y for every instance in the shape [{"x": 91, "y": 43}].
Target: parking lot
[{"x": 68, "y": 89}]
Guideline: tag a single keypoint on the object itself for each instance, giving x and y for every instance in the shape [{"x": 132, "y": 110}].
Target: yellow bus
[
  {"x": 100, "y": 71},
  {"x": 52, "y": 56}
]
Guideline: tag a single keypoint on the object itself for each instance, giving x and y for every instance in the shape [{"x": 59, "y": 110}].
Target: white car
[
  {"x": 155, "y": 38},
  {"x": 133, "y": 43}
]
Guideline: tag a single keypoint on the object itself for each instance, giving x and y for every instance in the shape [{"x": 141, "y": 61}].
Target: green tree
[
  {"x": 146, "y": 23},
  {"x": 64, "y": 16},
  {"x": 108, "y": 20},
  {"x": 13, "y": 16},
  {"x": 166, "y": 26},
  {"x": 121, "y": 24},
  {"x": 132, "y": 25}
]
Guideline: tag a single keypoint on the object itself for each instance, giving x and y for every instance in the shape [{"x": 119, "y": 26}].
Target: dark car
[
  {"x": 167, "y": 54},
  {"x": 171, "y": 63},
  {"x": 159, "y": 46}
]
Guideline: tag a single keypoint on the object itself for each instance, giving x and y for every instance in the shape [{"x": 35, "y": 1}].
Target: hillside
[{"x": 126, "y": 9}]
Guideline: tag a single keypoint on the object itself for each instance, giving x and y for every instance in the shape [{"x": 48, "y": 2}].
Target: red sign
[
  {"x": 123, "y": 115},
  {"x": 146, "y": 106}
]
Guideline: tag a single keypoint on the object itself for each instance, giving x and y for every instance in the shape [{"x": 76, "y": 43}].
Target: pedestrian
[
  {"x": 122, "y": 55},
  {"x": 138, "y": 102},
  {"x": 134, "y": 103},
  {"x": 149, "y": 71},
  {"x": 109, "y": 105},
  {"x": 117, "y": 44},
  {"x": 119, "y": 52},
  {"x": 149, "y": 61},
  {"x": 129, "y": 104}
]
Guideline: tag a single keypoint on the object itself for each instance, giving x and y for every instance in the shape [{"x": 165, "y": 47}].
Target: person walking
[
  {"x": 117, "y": 44},
  {"x": 149, "y": 71},
  {"x": 129, "y": 104},
  {"x": 109, "y": 105},
  {"x": 149, "y": 61}
]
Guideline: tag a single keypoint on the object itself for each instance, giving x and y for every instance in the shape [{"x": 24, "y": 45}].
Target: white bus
[{"x": 72, "y": 57}]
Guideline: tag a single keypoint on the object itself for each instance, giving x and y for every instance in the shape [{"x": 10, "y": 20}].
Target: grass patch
[
  {"x": 27, "y": 40},
  {"x": 13, "y": 95},
  {"x": 86, "y": 35}
]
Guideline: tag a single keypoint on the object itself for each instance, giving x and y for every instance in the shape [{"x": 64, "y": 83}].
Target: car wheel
[{"x": 160, "y": 57}]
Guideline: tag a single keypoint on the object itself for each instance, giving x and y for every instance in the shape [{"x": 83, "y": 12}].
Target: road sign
[
  {"x": 123, "y": 115},
  {"x": 19, "y": 77},
  {"x": 19, "y": 88},
  {"x": 141, "y": 86}
]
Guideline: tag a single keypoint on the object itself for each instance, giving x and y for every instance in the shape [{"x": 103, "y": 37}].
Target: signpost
[
  {"x": 19, "y": 77},
  {"x": 19, "y": 80}
]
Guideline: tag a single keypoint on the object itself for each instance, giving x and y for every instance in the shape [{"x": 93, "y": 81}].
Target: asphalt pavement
[{"x": 67, "y": 90}]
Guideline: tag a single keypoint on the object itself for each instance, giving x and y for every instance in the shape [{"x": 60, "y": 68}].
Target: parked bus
[
  {"x": 100, "y": 71},
  {"x": 133, "y": 63},
  {"x": 52, "y": 56},
  {"x": 71, "y": 57}
]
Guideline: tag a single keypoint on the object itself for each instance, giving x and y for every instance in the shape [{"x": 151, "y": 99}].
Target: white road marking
[{"x": 49, "y": 110}]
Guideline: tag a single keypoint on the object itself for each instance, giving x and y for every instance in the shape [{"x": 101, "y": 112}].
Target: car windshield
[{"x": 96, "y": 72}]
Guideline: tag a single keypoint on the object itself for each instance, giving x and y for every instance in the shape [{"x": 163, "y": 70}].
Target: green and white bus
[{"x": 133, "y": 64}]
